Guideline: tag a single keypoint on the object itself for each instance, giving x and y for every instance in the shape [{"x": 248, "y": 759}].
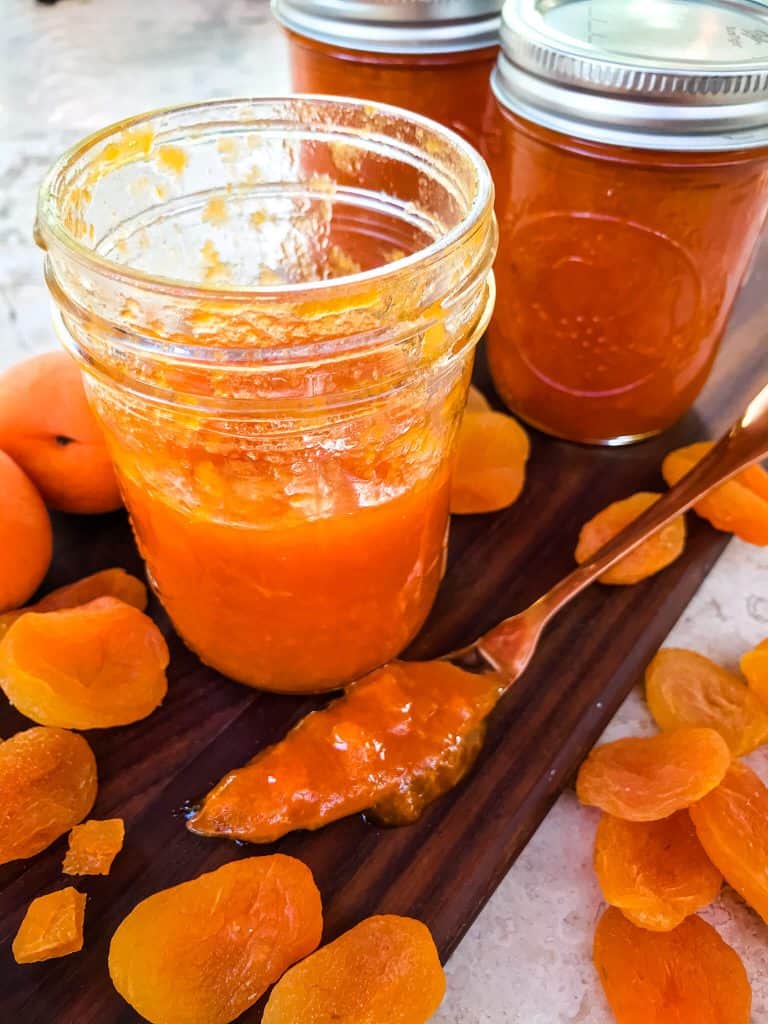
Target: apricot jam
[
  {"x": 276, "y": 305},
  {"x": 630, "y": 155},
  {"x": 431, "y": 57}
]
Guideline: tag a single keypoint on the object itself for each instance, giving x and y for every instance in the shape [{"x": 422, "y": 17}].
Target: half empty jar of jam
[
  {"x": 431, "y": 56},
  {"x": 630, "y": 158},
  {"x": 276, "y": 305}
]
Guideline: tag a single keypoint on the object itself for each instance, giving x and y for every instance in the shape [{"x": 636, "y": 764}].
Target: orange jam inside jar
[
  {"x": 431, "y": 56},
  {"x": 630, "y": 156},
  {"x": 276, "y": 305}
]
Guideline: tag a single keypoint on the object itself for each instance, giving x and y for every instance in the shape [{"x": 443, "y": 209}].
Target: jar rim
[{"x": 50, "y": 227}]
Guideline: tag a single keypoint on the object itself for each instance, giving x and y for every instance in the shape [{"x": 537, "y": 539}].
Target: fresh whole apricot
[
  {"x": 47, "y": 784},
  {"x": 385, "y": 970},
  {"x": 739, "y": 506},
  {"x": 99, "y": 665},
  {"x": 107, "y": 583},
  {"x": 650, "y": 557},
  {"x": 489, "y": 469},
  {"x": 686, "y": 976},
  {"x": 204, "y": 951},
  {"x": 47, "y": 426},
  {"x": 26, "y": 537}
]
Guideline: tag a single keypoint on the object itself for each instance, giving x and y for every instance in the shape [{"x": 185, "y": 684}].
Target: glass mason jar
[
  {"x": 276, "y": 305},
  {"x": 630, "y": 156},
  {"x": 431, "y": 56}
]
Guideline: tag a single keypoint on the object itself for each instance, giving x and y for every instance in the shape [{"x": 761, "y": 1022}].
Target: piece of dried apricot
[
  {"x": 732, "y": 826},
  {"x": 754, "y": 665},
  {"x": 686, "y": 976},
  {"x": 651, "y": 777},
  {"x": 685, "y": 688},
  {"x": 107, "y": 583},
  {"x": 489, "y": 469},
  {"x": 204, "y": 951},
  {"x": 739, "y": 506},
  {"x": 99, "y": 665},
  {"x": 399, "y": 738},
  {"x": 93, "y": 846},
  {"x": 47, "y": 784},
  {"x": 650, "y": 557},
  {"x": 47, "y": 426},
  {"x": 52, "y": 927},
  {"x": 26, "y": 537},
  {"x": 655, "y": 872},
  {"x": 385, "y": 970}
]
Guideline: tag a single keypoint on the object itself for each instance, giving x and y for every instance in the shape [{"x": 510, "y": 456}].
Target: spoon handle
[{"x": 746, "y": 442}]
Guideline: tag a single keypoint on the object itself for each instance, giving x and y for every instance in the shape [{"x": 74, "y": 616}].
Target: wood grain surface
[{"x": 444, "y": 868}]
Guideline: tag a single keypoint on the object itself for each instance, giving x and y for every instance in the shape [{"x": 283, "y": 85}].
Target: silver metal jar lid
[
  {"x": 395, "y": 26},
  {"x": 651, "y": 74}
]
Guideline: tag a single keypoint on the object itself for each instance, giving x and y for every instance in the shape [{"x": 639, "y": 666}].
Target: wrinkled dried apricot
[
  {"x": 655, "y": 872},
  {"x": 739, "y": 506},
  {"x": 204, "y": 951},
  {"x": 754, "y": 665},
  {"x": 732, "y": 826},
  {"x": 52, "y": 927},
  {"x": 107, "y": 583},
  {"x": 398, "y": 739},
  {"x": 93, "y": 846},
  {"x": 47, "y": 784},
  {"x": 686, "y": 976},
  {"x": 26, "y": 537},
  {"x": 385, "y": 970},
  {"x": 685, "y": 688},
  {"x": 489, "y": 469},
  {"x": 47, "y": 426},
  {"x": 650, "y": 557},
  {"x": 99, "y": 665},
  {"x": 476, "y": 400},
  {"x": 647, "y": 778}
]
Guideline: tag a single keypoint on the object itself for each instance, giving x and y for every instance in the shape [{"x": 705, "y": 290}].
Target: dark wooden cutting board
[{"x": 444, "y": 868}]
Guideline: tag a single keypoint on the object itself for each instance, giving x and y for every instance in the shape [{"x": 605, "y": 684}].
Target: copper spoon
[{"x": 509, "y": 647}]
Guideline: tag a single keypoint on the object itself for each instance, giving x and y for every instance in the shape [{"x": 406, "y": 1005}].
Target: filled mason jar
[
  {"x": 431, "y": 56},
  {"x": 276, "y": 305},
  {"x": 630, "y": 157}
]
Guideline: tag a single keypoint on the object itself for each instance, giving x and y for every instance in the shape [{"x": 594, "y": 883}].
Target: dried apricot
[
  {"x": 739, "y": 506},
  {"x": 93, "y": 846},
  {"x": 732, "y": 826},
  {"x": 686, "y": 976},
  {"x": 399, "y": 738},
  {"x": 655, "y": 872},
  {"x": 26, "y": 537},
  {"x": 204, "y": 951},
  {"x": 47, "y": 426},
  {"x": 476, "y": 400},
  {"x": 754, "y": 665},
  {"x": 52, "y": 926},
  {"x": 489, "y": 469},
  {"x": 650, "y": 557},
  {"x": 107, "y": 583},
  {"x": 92, "y": 667},
  {"x": 385, "y": 970},
  {"x": 47, "y": 784},
  {"x": 685, "y": 688},
  {"x": 647, "y": 778}
]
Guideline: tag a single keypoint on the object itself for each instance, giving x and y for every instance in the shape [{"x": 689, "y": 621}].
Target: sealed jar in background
[
  {"x": 431, "y": 56},
  {"x": 630, "y": 159},
  {"x": 276, "y": 305}
]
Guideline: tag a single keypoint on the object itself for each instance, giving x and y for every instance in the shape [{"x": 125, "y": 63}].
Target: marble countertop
[{"x": 73, "y": 67}]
